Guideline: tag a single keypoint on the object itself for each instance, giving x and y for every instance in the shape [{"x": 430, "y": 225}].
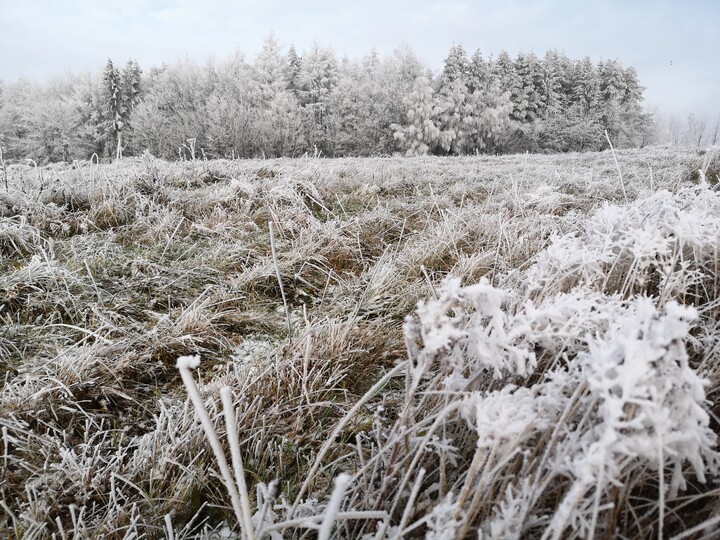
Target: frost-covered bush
[
  {"x": 577, "y": 383},
  {"x": 664, "y": 245},
  {"x": 619, "y": 401}
]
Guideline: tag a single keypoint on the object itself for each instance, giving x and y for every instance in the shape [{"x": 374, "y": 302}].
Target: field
[{"x": 505, "y": 347}]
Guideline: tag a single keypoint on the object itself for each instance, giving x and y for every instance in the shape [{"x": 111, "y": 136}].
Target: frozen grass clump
[
  {"x": 664, "y": 245},
  {"x": 20, "y": 239},
  {"x": 619, "y": 407}
]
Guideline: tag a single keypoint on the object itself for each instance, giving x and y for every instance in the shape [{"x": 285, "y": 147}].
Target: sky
[{"x": 674, "y": 46}]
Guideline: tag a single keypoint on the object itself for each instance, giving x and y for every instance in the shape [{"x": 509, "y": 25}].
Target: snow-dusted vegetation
[
  {"x": 496, "y": 347},
  {"x": 285, "y": 103}
]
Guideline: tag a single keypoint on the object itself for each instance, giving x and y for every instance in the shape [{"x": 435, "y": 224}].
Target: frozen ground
[{"x": 558, "y": 378}]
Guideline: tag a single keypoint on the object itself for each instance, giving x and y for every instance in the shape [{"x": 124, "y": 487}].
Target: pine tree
[
  {"x": 479, "y": 76},
  {"x": 586, "y": 86},
  {"x": 554, "y": 72},
  {"x": 269, "y": 69},
  {"x": 293, "y": 64},
  {"x": 532, "y": 79},
  {"x": 113, "y": 108},
  {"x": 491, "y": 122},
  {"x": 316, "y": 82},
  {"x": 456, "y": 67},
  {"x": 318, "y": 75},
  {"x": 130, "y": 84},
  {"x": 504, "y": 72},
  {"x": 420, "y": 135},
  {"x": 621, "y": 113},
  {"x": 273, "y": 118},
  {"x": 131, "y": 80},
  {"x": 454, "y": 111},
  {"x": 612, "y": 91}
]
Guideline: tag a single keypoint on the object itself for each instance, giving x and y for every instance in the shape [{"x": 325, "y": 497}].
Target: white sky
[{"x": 675, "y": 46}]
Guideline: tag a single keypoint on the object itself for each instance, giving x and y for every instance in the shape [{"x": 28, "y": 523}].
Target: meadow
[{"x": 519, "y": 346}]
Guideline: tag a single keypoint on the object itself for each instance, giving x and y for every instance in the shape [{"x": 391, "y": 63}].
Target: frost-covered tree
[
  {"x": 479, "y": 77},
  {"x": 456, "y": 66},
  {"x": 349, "y": 105},
  {"x": 453, "y": 105},
  {"x": 232, "y": 110},
  {"x": 318, "y": 75},
  {"x": 275, "y": 121},
  {"x": 555, "y": 71},
  {"x": 15, "y": 124},
  {"x": 317, "y": 79},
  {"x": 49, "y": 122},
  {"x": 363, "y": 106},
  {"x": 579, "y": 125},
  {"x": 2, "y": 94},
  {"x": 491, "y": 123},
  {"x": 174, "y": 109},
  {"x": 291, "y": 70},
  {"x": 504, "y": 72},
  {"x": 131, "y": 93},
  {"x": 269, "y": 69},
  {"x": 420, "y": 134},
  {"x": 585, "y": 86},
  {"x": 638, "y": 120},
  {"x": 131, "y": 81},
  {"x": 612, "y": 90},
  {"x": 113, "y": 108},
  {"x": 532, "y": 81}
]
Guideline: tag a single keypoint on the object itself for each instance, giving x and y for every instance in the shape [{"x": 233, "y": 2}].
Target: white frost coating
[
  {"x": 341, "y": 483},
  {"x": 230, "y": 426},
  {"x": 188, "y": 362},
  {"x": 184, "y": 363}
]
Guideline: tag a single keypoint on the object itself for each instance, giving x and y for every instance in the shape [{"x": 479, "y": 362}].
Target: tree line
[{"x": 287, "y": 104}]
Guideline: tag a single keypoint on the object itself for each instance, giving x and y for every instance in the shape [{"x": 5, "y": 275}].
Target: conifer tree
[
  {"x": 421, "y": 134},
  {"x": 532, "y": 82},
  {"x": 479, "y": 76},
  {"x": 504, "y": 72},
  {"x": 269, "y": 69},
  {"x": 131, "y": 86},
  {"x": 292, "y": 68},
  {"x": 621, "y": 112},
  {"x": 553, "y": 72},
  {"x": 130, "y": 82},
  {"x": 113, "y": 108},
  {"x": 454, "y": 110},
  {"x": 316, "y": 81},
  {"x": 456, "y": 67},
  {"x": 586, "y": 86}
]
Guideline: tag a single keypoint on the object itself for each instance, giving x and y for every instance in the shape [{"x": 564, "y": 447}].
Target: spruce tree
[
  {"x": 316, "y": 82},
  {"x": 420, "y": 135},
  {"x": 454, "y": 111},
  {"x": 532, "y": 82},
  {"x": 131, "y": 80},
  {"x": 293, "y": 64},
  {"x": 503, "y": 70},
  {"x": 553, "y": 72},
  {"x": 479, "y": 76},
  {"x": 113, "y": 108},
  {"x": 586, "y": 86},
  {"x": 456, "y": 67}
]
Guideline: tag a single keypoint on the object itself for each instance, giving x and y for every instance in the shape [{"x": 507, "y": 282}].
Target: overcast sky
[{"x": 675, "y": 46}]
